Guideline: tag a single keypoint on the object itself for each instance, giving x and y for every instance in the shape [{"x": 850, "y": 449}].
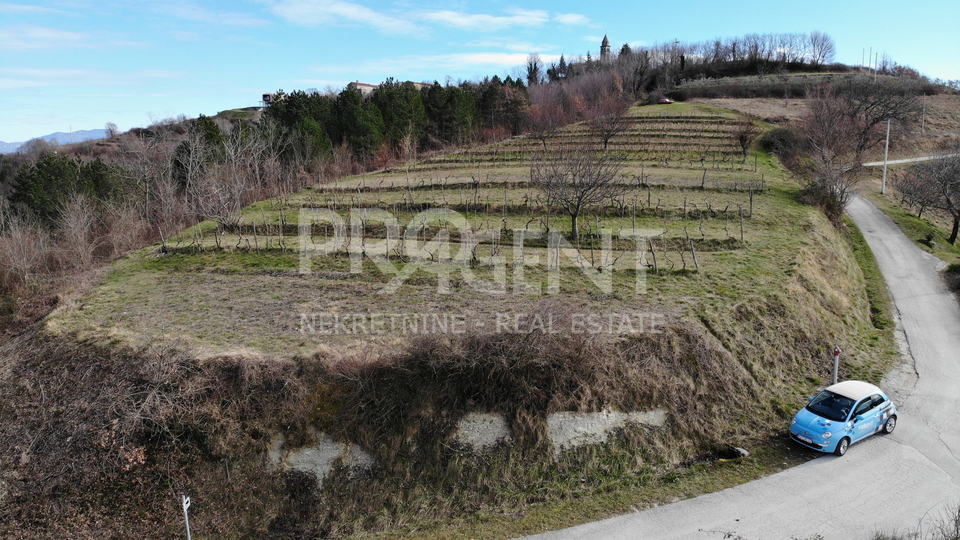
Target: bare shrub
[
  {"x": 384, "y": 402},
  {"x": 124, "y": 229},
  {"x": 221, "y": 194},
  {"x": 24, "y": 251},
  {"x": 171, "y": 211},
  {"x": 745, "y": 133},
  {"x": 384, "y": 157},
  {"x": 77, "y": 231}
]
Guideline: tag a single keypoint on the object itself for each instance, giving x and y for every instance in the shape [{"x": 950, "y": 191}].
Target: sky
[{"x": 79, "y": 64}]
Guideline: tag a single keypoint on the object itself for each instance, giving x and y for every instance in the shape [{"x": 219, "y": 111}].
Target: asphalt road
[
  {"x": 901, "y": 482},
  {"x": 901, "y": 161}
]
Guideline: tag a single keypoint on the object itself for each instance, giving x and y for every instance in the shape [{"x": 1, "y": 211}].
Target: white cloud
[
  {"x": 509, "y": 44},
  {"x": 21, "y": 9},
  {"x": 193, "y": 12},
  {"x": 21, "y": 78},
  {"x": 480, "y": 21},
  {"x": 183, "y": 35},
  {"x": 319, "y": 12},
  {"x": 25, "y": 37},
  {"x": 416, "y": 67},
  {"x": 571, "y": 19}
]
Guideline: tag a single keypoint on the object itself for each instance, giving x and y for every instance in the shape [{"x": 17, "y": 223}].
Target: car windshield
[{"x": 832, "y": 406}]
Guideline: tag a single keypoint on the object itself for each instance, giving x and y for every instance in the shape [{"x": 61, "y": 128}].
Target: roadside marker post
[
  {"x": 836, "y": 363},
  {"x": 186, "y": 514}
]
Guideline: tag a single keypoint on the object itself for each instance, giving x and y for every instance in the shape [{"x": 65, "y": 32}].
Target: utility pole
[
  {"x": 923, "y": 116},
  {"x": 886, "y": 152}
]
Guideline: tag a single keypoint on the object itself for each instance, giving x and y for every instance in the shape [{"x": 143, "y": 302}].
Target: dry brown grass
[
  {"x": 941, "y": 120},
  {"x": 767, "y": 109}
]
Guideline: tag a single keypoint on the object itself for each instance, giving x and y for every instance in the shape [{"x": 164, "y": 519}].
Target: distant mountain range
[{"x": 60, "y": 137}]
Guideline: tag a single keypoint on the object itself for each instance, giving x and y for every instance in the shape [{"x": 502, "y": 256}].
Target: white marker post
[
  {"x": 186, "y": 514},
  {"x": 836, "y": 363}
]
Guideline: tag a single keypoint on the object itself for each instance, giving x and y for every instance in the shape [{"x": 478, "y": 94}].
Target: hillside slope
[{"x": 197, "y": 359}]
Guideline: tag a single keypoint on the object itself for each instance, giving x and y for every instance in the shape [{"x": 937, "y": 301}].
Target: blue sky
[{"x": 71, "y": 65}]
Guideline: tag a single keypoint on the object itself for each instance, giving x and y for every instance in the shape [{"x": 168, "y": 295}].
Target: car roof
[{"x": 854, "y": 390}]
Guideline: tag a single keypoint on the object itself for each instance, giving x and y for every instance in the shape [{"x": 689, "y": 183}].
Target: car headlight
[
  {"x": 793, "y": 422},
  {"x": 827, "y": 434}
]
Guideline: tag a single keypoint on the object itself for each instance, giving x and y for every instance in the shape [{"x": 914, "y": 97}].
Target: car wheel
[
  {"x": 890, "y": 425},
  {"x": 842, "y": 446}
]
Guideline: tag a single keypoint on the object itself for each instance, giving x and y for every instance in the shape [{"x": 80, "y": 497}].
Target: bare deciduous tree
[
  {"x": 822, "y": 48},
  {"x": 834, "y": 160},
  {"x": 915, "y": 192},
  {"x": 222, "y": 193},
  {"x": 870, "y": 104},
  {"x": 24, "y": 251},
  {"x": 78, "y": 222},
  {"x": 608, "y": 118},
  {"x": 844, "y": 121},
  {"x": 745, "y": 133},
  {"x": 544, "y": 120},
  {"x": 146, "y": 162},
  {"x": 534, "y": 70},
  {"x": 574, "y": 178},
  {"x": 939, "y": 180}
]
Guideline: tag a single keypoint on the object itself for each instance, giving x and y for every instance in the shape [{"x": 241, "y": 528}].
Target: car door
[{"x": 867, "y": 408}]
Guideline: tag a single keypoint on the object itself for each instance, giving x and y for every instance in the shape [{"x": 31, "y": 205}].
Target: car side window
[
  {"x": 864, "y": 406},
  {"x": 877, "y": 401}
]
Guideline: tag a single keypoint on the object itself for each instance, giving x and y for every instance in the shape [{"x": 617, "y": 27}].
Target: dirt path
[{"x": 887, "y": 483}]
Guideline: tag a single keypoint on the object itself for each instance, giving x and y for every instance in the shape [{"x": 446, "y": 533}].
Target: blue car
[{"x": 843, "y": 414}]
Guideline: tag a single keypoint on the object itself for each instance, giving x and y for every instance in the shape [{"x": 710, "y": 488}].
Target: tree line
[
  {"x": 663, "y": 66},
  {"x": 400, "y": 119},
  {"x": 64, "y": 214}
]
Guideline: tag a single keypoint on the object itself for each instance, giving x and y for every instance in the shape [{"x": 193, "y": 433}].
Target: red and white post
[{"x": 836, "y": 363}]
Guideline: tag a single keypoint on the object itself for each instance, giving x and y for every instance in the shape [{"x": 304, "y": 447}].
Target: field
[{"x": 940, "y": 120}]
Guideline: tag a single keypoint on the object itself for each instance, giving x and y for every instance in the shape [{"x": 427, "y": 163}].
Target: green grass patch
[
  {"x": 928, "y": 234},
  {"x": 881, "y": 305}
]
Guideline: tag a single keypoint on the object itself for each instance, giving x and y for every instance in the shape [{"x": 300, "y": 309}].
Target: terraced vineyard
[
  {"x": 680, "y": 136},
  {"x": 694, "y": 220}
]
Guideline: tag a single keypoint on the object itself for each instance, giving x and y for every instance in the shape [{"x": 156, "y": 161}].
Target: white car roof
[{"x": 854, "y": 390}]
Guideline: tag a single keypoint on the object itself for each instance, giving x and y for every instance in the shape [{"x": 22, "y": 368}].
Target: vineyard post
[
  {"x": 741, "y": 223},
  {"x": 653, "y": 251},
  {"x": 694, "y": 251}
]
